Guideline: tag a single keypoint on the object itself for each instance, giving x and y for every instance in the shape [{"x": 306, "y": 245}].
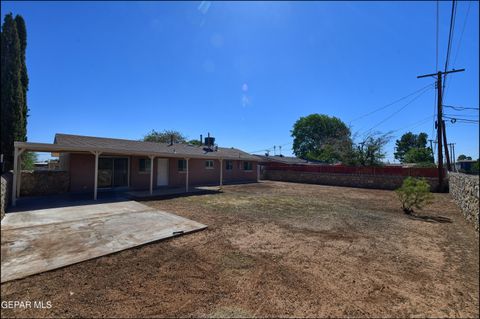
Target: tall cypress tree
[
  {"x": 12, "y": 93},
  {"x": 22, "y": 37}
]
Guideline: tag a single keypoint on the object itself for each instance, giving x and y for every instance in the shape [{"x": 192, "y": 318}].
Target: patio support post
[
  {"x": 258, "y": 173},
  {"x": 151, "y": 174},
  {"x": 19, "y": 180},
  {"x": 16, "y": 172},
  {"x": 97, "y": 154},
  {"x": 221, "y": 172},
  {"x": 186, "y": 175}
]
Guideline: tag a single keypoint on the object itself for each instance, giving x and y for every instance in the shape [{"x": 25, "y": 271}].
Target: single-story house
[
  {"x": 97, "y": 163},
  {"x": 464, "y": 165},
  {"x": 281, "y": 159}
]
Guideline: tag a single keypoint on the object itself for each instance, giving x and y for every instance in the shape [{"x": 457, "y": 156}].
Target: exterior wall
[
  {"x": 199, "y": 175},
  {"x": 82, "y": 172},
  {"x": 44, "y": 182},
  {"x": 6, "y": 192},
  {"x": 237, "y": 174},
  {"x": 350, "y": 180},
  {"x": 465, "y": 192},
  {"x": 140, "y": 180}
]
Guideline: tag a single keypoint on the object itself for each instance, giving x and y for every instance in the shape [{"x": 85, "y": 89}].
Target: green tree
[
  {"x": 410, "y": 141},
  {"x": 13, "y": 89},
  {"x": 414, "y": 193},
  {"x": 475, "y": 169},
  {"x": 28, "y": 160},
  {"x": 195, "y": 142},
  {"x": 22, "y": 37},
  {"x": 369, "y": 152},
  {"x": 321, "y": 137},
  {"x": 418, "y": 155},
  {"x": 463, "y": 157},
  {"x": 164, "y": 137}
]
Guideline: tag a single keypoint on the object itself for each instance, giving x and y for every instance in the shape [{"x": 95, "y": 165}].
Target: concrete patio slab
[{"x": 40, "y": 240}]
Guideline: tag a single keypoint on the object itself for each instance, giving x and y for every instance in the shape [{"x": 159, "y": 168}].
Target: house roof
[
  {"x": 285, "y": 159},
  {"x": 80, "y": 143}
]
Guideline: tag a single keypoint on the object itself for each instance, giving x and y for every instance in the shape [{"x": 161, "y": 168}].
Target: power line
[
  {"x": 460, "y": 41},
  {"x": 461, "y": 108},
  {"x": 450, "y": 40},
  {"x": 436, "y": 67},
  {"x": 367, "y": 133},
  {"x": 414, "y": 124},
  {"x": 271, "y": 148},
  {"x": 436, "y": 46},
  {"x": 390, "y": 104},
  {"x": 461, "y": 34}
]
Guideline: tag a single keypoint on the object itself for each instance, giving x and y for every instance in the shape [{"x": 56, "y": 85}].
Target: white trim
[
  {"x": 151, "y": 173},
  {"x": 95, "y": 183},
  {"x": 221, "y": 172},
  {"x": 186, "y": 176}
]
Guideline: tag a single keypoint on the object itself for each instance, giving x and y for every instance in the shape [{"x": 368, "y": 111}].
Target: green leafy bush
[{"x": 414, "y": 193}]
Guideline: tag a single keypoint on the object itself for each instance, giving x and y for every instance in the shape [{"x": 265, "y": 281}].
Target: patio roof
[{"x": 79, "y": 143}]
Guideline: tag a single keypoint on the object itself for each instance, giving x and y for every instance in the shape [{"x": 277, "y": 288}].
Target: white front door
[{"x": 162, "y": 172}]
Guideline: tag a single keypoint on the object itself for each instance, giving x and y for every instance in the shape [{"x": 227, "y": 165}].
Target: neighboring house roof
[
  {"x": 73, "y": 143},
  {"x": 285, "y": 159}
]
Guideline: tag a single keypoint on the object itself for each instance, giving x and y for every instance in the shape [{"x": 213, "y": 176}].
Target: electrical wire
[
  {"x": 459, "y": 41},
  {"x": 369, "y": 131},
  {"x": 461, "y": 108},
  {"x": 390, "y": 104},
  {"x": 449, "y": 46}
]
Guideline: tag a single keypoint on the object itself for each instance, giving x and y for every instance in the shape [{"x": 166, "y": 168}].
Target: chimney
[
  {"x": 201, "y": 139},
  {"x": 171, "y": 139}
]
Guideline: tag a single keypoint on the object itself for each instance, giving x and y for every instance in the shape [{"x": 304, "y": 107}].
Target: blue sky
[{"x": 243, "y": 71}]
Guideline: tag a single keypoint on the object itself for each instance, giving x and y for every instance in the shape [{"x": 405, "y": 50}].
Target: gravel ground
[{"x": 278, "y": 249}]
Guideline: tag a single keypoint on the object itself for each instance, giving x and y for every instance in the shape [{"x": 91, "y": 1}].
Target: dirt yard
[{"x": 279, "y": 250}]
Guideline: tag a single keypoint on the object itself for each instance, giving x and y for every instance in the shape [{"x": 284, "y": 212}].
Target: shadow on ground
[{"x": 431, "y": 219}]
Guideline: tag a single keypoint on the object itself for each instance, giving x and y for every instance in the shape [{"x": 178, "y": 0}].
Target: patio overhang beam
[{"x": 46, "y": 147}]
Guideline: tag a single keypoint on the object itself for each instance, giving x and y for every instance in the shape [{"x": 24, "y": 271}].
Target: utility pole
[
  {"x": 452, "y": 156},
  {"x": 431, "y": 149},
  {"x": 447, "y": 153},
  {"x": 439, "y": 123}
]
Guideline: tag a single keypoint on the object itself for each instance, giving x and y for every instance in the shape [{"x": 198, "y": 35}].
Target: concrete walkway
[{"x": 40, "y": 240}]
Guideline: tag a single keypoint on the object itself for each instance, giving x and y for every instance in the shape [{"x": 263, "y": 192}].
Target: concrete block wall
[
  {"x": 389, "y": 182},
  {"x": 465, "y": 192}
]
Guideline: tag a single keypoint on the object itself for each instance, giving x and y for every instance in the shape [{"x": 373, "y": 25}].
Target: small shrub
[{"x": 414, "y": 193}]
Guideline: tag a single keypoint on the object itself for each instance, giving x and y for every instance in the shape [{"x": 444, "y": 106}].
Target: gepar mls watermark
[{"x": 26, "y": 304}]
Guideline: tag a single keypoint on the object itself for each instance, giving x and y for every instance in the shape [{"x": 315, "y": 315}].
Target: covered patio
[{"x": 103, "y": 148}]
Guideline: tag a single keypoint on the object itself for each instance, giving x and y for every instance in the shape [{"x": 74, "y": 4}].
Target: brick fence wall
[
  {"x": 6, "y": 195},
  {"x": 46, "y": 182},
  {"x": 465, "y": 192},
  {"x": 335, "y": 179}
]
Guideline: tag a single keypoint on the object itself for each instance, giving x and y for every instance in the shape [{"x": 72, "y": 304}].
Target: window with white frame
[
  {"x": 144, "y": 165},
  {"x": 229, "y": 165},
  {"x": 247, "y": 166},
  {"x": 209, "y": 164},
  {"x": 182, "y": 165}
]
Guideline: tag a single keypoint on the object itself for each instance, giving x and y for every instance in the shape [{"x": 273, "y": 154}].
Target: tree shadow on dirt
[{"x": 430, "y": 219}]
